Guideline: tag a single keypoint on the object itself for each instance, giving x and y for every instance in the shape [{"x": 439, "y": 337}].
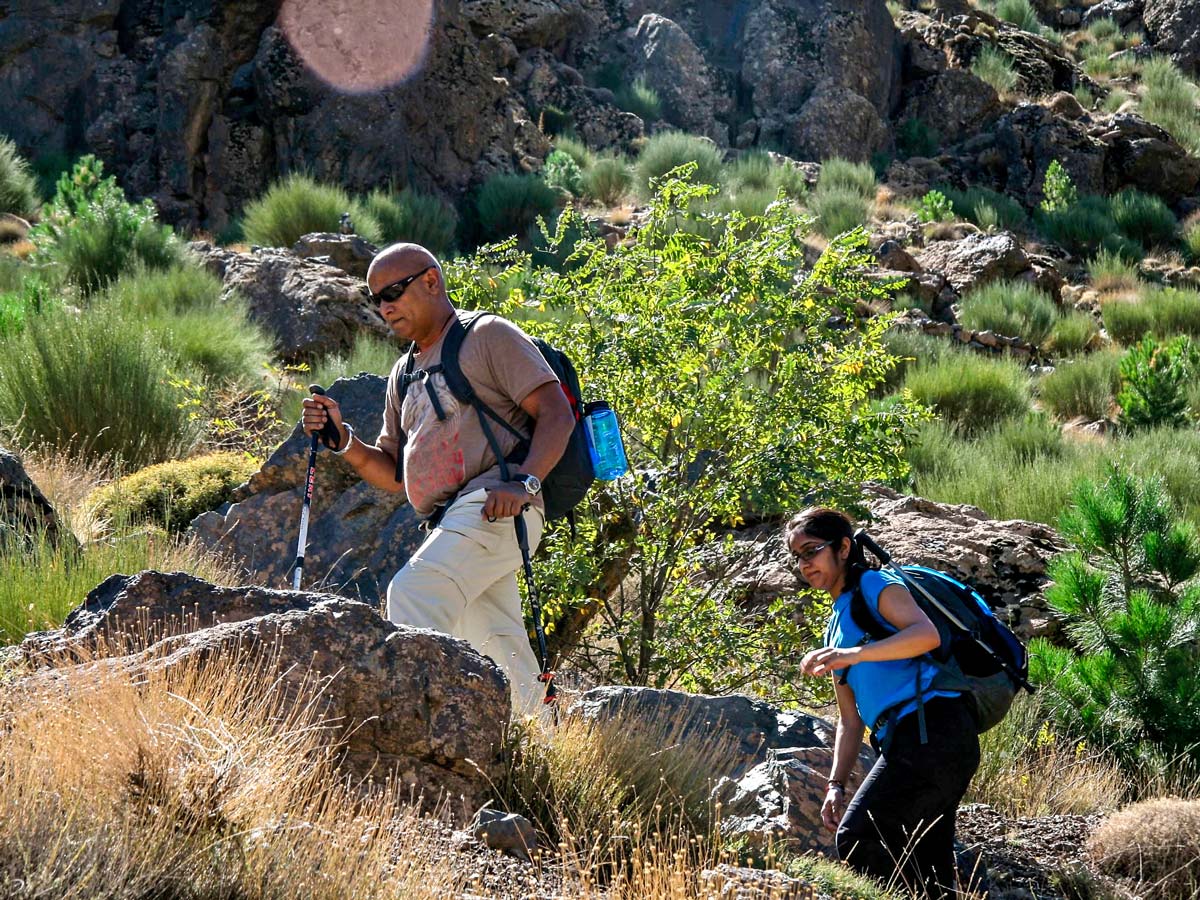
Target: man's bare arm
[{"x": 375, "y": 466}]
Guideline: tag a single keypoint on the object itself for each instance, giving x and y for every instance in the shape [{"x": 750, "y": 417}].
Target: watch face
[{"x": 532, "y": 484}]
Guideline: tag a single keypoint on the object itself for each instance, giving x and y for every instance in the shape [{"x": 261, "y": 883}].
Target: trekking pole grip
[{"x": 868, "y": 543}]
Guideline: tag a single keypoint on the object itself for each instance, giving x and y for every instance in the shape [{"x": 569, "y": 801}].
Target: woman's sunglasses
[
  {"x": 805, "y": 554},
  {"x": 396, "y": 289}
]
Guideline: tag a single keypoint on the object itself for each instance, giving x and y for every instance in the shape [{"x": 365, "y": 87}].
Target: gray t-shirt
[{"x": 446, "y": 457}]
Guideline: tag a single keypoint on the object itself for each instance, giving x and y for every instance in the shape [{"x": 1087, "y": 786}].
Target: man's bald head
[{"x": 399, "y": 261}]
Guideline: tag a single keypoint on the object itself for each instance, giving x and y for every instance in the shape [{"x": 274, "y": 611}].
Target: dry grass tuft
[
  {"x": 206, "y": 781},
  {"x": 1154, "y": 847}
]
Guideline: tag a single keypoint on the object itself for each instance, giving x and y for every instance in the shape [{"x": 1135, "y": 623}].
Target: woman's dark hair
[{"x": 831, "y": 525}]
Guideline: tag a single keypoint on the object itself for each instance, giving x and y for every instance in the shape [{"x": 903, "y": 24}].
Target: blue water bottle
[{"x": 604, "y": 441}]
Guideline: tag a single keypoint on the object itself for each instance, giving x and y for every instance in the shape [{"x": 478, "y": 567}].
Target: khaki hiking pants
[{"x": 463, "y": 581}]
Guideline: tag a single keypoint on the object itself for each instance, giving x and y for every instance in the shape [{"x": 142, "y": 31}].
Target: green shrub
[
  {"x": 1103, "y": 29},
  {"x": 28, "y": 298},
  {"x": 1081, "y": 227},
  {"x": 93, "y": 386},
  {"x": 1010, "y": 308},
  {"x": 199, "y": 327},
  {"x": 297, "y": 205},
  {"x": 1020, "y": 13},
  {"x": 1085, "y": 97},
  {"x": 935, "y": 207},
  {"x": 996, "y": 68},
  {"x": 1154, "y": 382},
  {"x": 1176, "y": 311},
  {"x": 1086, "y": 386},
  {"x": 839, "y": 174},
  {"x": 970, "y": 202},
  {"x": 18, "y": 188},
  {"x": 563, "y": 173},
  {"x": 1073, "y": 333},
  {"x": 576, "y": 149},
  {"x": 838, "y": 210},
  {"x": 1191, "y": 240},
  {"x": 1127, "y": 321},
  {"x": 1111, "y": 271},
  {"x": 554, "y": 120},
  {"x": 608, "y": 180},
  {"x": 915, "y": 138},
  {"x": 1115, "y": 100},
  {"x": 640, "y": 99},
  {"x": 971, "y": 392},
  {"x": 912, "y": 348},
  {"x": 413, "y": 217},
  {"x": 1143, "y": 218},
  {"x": 1024, "y": 440},
  {"x": 90, "y": 233},
  {"x": 1130, "y": 679},
  {"x": 171, "y": 494},
  {"x": 1169, "y": 99},
  {"x": 755, "y": 170},
  {"x": 1058, "y": 189},
  {"x": 668, "y": 150},
  {"x": 509, "y": 204}
]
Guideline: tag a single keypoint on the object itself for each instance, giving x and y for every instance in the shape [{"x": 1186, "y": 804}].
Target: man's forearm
[
  {"x": 374, "y": 466},
  {"x": 549, "y": 441}
]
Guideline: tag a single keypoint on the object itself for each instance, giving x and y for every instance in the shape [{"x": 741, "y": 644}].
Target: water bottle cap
[{"x": 595, "y": 406}]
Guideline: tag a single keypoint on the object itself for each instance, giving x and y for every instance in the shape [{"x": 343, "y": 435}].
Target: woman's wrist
[{"x": 836, "y": 784}]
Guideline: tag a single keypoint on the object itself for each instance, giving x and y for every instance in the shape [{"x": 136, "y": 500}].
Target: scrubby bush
[
  {"x": 576, "y": 149},
  {"x": 838, "y": 210},
  {"x": 563, "y": 173},
  {"x": 1152, "y": 847},
  {"x": 640, "y": 99},
  {"x": 1143, "y": 218},
  {"x": 1154, "y": 382},
  {"x": 201, "y": 328},
  {"x": 1160, "y": 311},
  {"x": 1074, "y": 332},
  {"x": 509, "y": 204},
  {"x": 668, "y": 150},
  {"x": 90, "y": 233},
  {"x": 1081, "y": 227},
  {"x": 297, "y": 205},
  {"x": 93, "y": 386},
  {"x": 839, "y": 174},
  {"x": 913, "y": 348},
  {"x": 554, "y": 120},
  {"x": 27, "y": 298},
  {"x": 1010, "y": 308},
  {"x": 755, "y": 170},
  {"x": 1169, "y": 99},
  {"x": 975, "y": 202},
  {"x": 1115, "y": 100},
  {"x": 915, "y": 138},
  {"x": 171, "y": 494},
  {"x": 1020, "y": 13},
  {"x": 996, "y": 68},
  {"x": 413, "y": 217},
  {"x": 1127, "y": 594},
  {"x": 18, "y": 188},
  {"x": 1191, "y": 238},
  {"x": 1127, "y": 321},
  {"x": 1086, "y": 386},
  {"x": 1111, "y": 271},
  {"x": 608, "y": 180},
  {"x": 971, "y": 392},
  {"x": 935, "y": 207}
]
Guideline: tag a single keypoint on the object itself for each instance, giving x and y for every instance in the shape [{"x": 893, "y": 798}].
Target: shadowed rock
[{"x": 25, "y": 513}]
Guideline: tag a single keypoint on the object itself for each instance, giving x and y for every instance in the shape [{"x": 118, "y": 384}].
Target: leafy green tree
[
  {"x": 1130, "y": 602},
  {"x": 740, "y": 377},
  {"x": 1154, "y": 382},
  {"x": 935, "y": 207},
  {"x": 1058, "y": 189}
]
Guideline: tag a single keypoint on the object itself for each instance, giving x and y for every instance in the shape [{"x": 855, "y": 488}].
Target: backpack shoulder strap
[
  {"x": 456, "y": 379},
  {"x": 403, "y": 380},
  {"x": 865, "y": 618}
]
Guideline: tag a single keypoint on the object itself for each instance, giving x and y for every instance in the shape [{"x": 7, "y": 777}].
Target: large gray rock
[
  {"x": 528, "y": 23},
  {"x": 199, "y": 105},
  {"x": 1174, "y": 28},
  {"x": 675, "y": 68},
  {"x": 775, "y": 764},
  {"x": 347, "y": 252},
  {"x": 407, "y": 703},
  {"x": 975, "y": 260},
  {"x": 836, "y": 121},
  {"x": 25, "y": 514},
  {"x": 358, "y": 536},
  {"x": 310, "y": 309}
]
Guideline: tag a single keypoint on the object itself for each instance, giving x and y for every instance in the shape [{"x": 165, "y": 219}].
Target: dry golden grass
[
  {"x": 205, "y": 782},
  {"x": 67, "y": 483},
  {"x": 1152, "y": 847}
]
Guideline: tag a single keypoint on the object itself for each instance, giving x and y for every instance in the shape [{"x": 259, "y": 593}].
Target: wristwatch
[{"x": 533, "y": 484}]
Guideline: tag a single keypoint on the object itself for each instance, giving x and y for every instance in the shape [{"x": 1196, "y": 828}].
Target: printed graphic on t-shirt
[{"x": 434, "y": 465}]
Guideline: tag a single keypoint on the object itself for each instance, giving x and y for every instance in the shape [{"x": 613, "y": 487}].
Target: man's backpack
[
  {"x": 569, "y": 480},
  {"x": 978, "y": 655}
]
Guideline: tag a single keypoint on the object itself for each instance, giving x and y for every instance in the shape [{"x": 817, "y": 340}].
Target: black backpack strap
[{"x": 406, "y": 378}]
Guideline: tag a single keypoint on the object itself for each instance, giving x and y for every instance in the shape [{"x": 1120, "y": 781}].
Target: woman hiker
[{"x": 901, "y": 820}]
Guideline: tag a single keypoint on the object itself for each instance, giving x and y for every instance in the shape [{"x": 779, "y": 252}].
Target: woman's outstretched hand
[{"x": 828, "y": 659}]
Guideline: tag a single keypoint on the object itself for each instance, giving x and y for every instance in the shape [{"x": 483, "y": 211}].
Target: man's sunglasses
[
  {"x": 807, "y": 553},
  {"x": 396, "y": 289}
]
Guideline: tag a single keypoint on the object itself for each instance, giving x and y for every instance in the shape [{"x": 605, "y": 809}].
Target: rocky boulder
[
  {"x": 1174, "y": 28},
  {"x": 975, "y": 260},
  {"x": 1148, "y": 158},
  {"x": 347, "y": 252},
  {"x": 25, "y": 514},
  {"x": 407, "y": 703},
  {"x": 528, "y": 23},
  {"x": 309, "y": 308},
  {"x": 954, "y": 103},
  {"x": 775, "y": 763},
  {"x": 1123, "y": 12},
  {"x": 358, "y": 536}
]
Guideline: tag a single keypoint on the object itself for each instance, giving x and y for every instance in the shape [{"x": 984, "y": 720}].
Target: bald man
[{"x": 462, "y": 580}]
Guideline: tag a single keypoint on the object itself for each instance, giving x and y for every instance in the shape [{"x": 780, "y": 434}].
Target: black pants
[{"x": 902, "y": 817}]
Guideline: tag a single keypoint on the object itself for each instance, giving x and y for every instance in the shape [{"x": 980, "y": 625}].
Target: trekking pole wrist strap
[{"x": 341, "y": 451}]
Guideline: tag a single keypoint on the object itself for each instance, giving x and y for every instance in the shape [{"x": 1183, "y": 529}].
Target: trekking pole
[
  {"x": 886, "y": 558},
  {"x": 545, "y": 676},
  {"x": 308, "y": 492}
]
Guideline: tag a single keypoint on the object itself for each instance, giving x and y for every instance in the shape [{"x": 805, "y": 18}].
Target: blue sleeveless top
[{"x": 878, "y": 686}]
